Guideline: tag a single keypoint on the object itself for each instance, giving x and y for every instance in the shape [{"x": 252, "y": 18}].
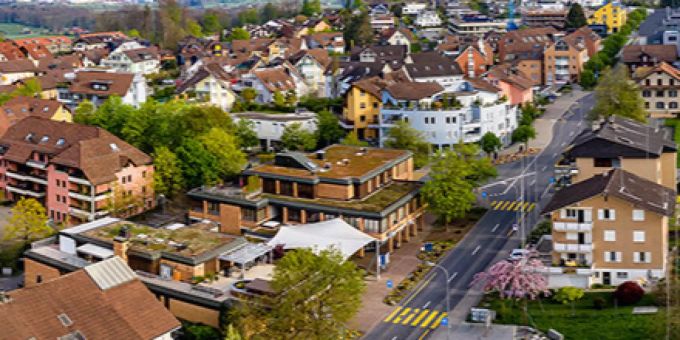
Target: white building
[
  {"x": 478, "y": 25},
  {"x": 131, "y": 57},
  {"x": 413, "y": 8},
  {"x": 442, "y": 123},
  {"x": 269, "y": 127},
  {"x": 209, "y": 84},
  {"x": 97, "y": 86},
  {"x": 428, "y": 19}
]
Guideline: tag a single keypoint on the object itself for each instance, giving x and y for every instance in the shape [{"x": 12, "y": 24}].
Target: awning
[
  {"x": 249, "y": 252},
  {"x": 335, "y": 233},
  {"x": 95, "y": 250}
]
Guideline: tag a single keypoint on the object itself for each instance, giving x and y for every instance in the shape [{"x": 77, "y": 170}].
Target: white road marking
[
  {"x": 514, "y": 179},
  {"x": 476, "y": 250},
  {"x": 571, "y": 133},
  {"x": 532, "y": 182},
  {"x": 427, "y": 304},
  {"x": 453, "y": 276},
  {"x": 495, "y": 227},
  {"x": 544, "y": 168},
  {"x": 564, "y": 143},
  {"x": 395, "y": 338}
]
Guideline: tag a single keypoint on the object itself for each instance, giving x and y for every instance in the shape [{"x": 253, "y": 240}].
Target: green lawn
[
  {"x": 14, "y": 31},
  {"x": 588, "y": 323}
]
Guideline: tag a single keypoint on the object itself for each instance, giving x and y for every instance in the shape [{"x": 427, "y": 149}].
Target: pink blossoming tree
[{"x": 523, "y": 279}]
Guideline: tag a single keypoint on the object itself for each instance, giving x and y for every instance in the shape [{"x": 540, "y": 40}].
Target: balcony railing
[
  {"x": 79, "y": 180},
  {"x": 88, "y": 198},
  {"x": 573, "y": 248},
  {"x": 36, "y": 164},
  {"x": 24, "y": 191},
  {"x": 573, "y": 226},
  {"x": 26, "y": 177}
]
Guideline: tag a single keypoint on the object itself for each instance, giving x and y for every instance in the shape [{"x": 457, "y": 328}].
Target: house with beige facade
[
  {"x": 614, "y": 225},
  {"x": 659, "y": 87}
]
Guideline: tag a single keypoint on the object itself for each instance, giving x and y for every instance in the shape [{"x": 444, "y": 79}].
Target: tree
[
  {"x": 522, "y": 279},
  {"x": 523, "y": 134},
  {"x": 588, "y": 79},
  {"x": 328, "y": 129},
  {"x": 245, "y": 131},
  {"x": 134, "y": 33},
  {"x": 353, "y": 140},
  {"x": 569, "y": 295},
  {"x": 232, "y": 334},
  {"x": 403, "y": 136},
  {"x": 454, "y": 175},
  {"x": 278, "y": 99},
  {"x": 30, "y": 88},
  {"x": 248, "y": 94},
  {"x": 85, "y": 109},
  {"x": 358, "y": 31},
  {"x": 616, "y": 94},
  {"x": 291, "y": 98},
  {"x": 296, "y": 138},
  {"x": 27, "y": 222},
  {"x": 490, "y": 143},
  {"x": 225, "y": 148},
  {"x": 167, "y": 176},
  {"x": 123, "y": 203},
  {"x": 269, "y": 12},
  {"x": 629, "y": 293},
  {"x": 314, "y": 297},
  {"x": 248, "y": 16},
  {"x": 575, "y": 17},
  {"x": 311, "y": 7},
  {"x": 211, "y": 23},
  {"x": 193, "y": 28},
  {"x": 199, "y": 166},
  {"x": 239, "y": 33}
]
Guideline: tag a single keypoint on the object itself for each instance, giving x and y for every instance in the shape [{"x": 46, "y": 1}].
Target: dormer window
[
  {"x": 29, "y": 137},
  {"x": 60, "y": 142},
  {"x": 44, "y": 139},
  {"x": 114, "y": 147}
]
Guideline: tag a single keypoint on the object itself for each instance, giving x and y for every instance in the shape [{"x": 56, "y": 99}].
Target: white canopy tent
[{"x": 335, "y": 233}]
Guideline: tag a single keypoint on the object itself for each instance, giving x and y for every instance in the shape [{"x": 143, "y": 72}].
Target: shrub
[
  {"x": 629, "y": 293},
  {"x": 599, "y": 303}
]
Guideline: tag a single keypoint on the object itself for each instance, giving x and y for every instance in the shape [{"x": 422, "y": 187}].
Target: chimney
[
  {"x": 4, "y": 298},
  {"x": 121, "y": 243},
  {"x": 321, "y": 154}
]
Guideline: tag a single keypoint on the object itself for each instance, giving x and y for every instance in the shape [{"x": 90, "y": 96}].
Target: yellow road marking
[
  {"x": 424, "y": 334},
  {"x": 429, "y": 318},
  {"x": 439, "y": 320},
  {"x": 404, "y": 312},
  {"x": 413, "y": 295},
  {"x": 502, "y": 205},
  {"x": 526, "y": 205},
  {"x": 511, "y": 206},
  {"x": 420, "y": 317},
  {"x": 394, "y": 312},
  {"x": 408, "y": 318},
  {"x": 532, "y": 206},
  {"x": 493, "y": 204}
]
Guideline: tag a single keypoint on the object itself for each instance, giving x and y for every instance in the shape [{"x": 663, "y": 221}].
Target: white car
[{"x": 517, "y": 254}]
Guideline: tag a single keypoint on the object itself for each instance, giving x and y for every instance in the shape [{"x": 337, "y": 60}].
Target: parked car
[{"x": 517, "y": 254}]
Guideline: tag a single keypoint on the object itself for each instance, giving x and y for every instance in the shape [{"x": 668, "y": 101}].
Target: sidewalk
[
  {"x": 544, "y": 124},
  {"x": 472, "y": 331}
]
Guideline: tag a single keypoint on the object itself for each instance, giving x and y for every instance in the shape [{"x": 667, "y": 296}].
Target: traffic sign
[
  {"x": 484, "y": 194},
  {"x": 445, "y": 321},
  {"x": 552, "y": 179},
  {"x": 389, "y": 284}
]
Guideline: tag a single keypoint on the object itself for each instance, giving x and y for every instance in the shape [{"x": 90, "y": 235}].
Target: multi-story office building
[
  {"x": 73, "y": 170},
  {"x": 476, "y": 24},
  {"x": 371, "y": 189}
]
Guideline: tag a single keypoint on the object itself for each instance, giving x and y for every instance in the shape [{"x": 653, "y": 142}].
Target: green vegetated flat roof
[
  {"x": 376, "y": 202},
  {"x": 196, "y": 241}
]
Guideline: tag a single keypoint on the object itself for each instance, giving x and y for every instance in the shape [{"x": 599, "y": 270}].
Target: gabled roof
[
  {"x": 621, "y": 184},
  {"x": 432, "y": 64},
  {"x": 482, "y": 85},
  {"x": 275, "y": 79},
  {"x": 355, "y": 70},
  {"x": 372, "y": 85},
  {"x": 634, "y": 53},
  {"x": 17, "y": 66},
  {"x": 117, "y": 83},
  {"x": 142, "y": 54},
  {"x": 386, "y": 34},
  {"x": 383, "y": 53},
  {"x": 621, "y": 137},
  {"x": 527, "y": 41},
  {"x": 212, "y": 69},
  {"x": 318, "y": 54},
  {"x": 11, "y": 51},
  {"x": 413, "y": 90},
  {"x": 663, "y": 67},
  {"x": 506, "y": 72},
  {"x": 98, "y": 153},
  {"x": 75, "y": 303}
]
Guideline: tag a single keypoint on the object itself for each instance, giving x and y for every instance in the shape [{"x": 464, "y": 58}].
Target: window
[
  {"x": 622, "y": 275},
  {"x": 286, "y": 188},
  {"x": 375, "y": 105},
  {"x": 38, "y": 279},
  {"x": 612, "y": 256},
  {"x": 610, "y": 235},
  {"x": 642, "y": 257},
  {"x": 294, "y": 215},
  {"x": 362, "y": 105},
  {"x": 638, "y": 215},
  {"x": 570, "y": 213},
  {"x": 646, "y": 93},
  {"x": 606, "y": 214},
  {"x": 673, "y": 105},
  {"x": 646, "y": 105},
  {"x": 572, "y": 236},
  {"x": 123, "y": 179},
  {"x": 248, "y": 214},
  {"x": 660, "y": 105},
  {"x": 602, "y": 162},
  {"x": 659, "y": 82},
  {"x": 659, "y": 93},
  {"x": 638, "y": 236},
  {"x": 362, "y": 118},
  {"x": 672, "y": 93},
  {"x": 362, "y": 93},
  {"x": 648, "y": 82}
]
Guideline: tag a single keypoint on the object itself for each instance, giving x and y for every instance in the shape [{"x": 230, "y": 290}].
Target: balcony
[
  {"x": 86, "y": 197},
  {"x": 24, "y": 191},
  {"x": 26, "y": 177},
  {"x": 82, "y": 214},
  {"x": 37, "y": 164},
  {"x": 572, "y": 247},
  {"x": 573, "y": 226},
  {"x": 79, "y": 180}
]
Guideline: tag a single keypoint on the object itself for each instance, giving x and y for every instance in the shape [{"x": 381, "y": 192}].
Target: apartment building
[
  {"x": 97, "y": 86},
  {"x": 537, "y": 17},
  {"x": 209, "y": 84},
  {"x": 73, "y": 170},
  {"x": 635, "y": 56},
  {"x": 563, "y": 60},
  {"x": 475, "y": 25},
  {"x": 620, "y": 143},
  {"x": 611, "y": 14},
  {"x": 615, "y": 224},
  {"x": 659, "y": 88},
  {"x": 371, "y": 189},
  {"x": 142, "y": 60},
  {"x": 270, "y": 126},
  {"x": 363, "y": 102},
  {"x": 661, "y": 28},
  {"x": 18, "y": 108}
]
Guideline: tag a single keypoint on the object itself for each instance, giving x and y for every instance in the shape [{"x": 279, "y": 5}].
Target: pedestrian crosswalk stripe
[
  {"x": 404, "y": 312},
  {"x": 394, "y": 312},
  {"x": 410, "y": 316},
  {"x": 420, "y": 317},
  {"x": 512, "y": 206},
  {"x": 429, "y": 319},
  {"x": 439, "y": 320}
]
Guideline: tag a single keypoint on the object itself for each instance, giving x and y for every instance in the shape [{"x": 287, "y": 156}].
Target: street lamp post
[{"x": 448, "y": 310}]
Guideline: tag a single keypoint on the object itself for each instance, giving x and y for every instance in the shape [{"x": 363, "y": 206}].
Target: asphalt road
[{"x": 419, "y": 315}]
